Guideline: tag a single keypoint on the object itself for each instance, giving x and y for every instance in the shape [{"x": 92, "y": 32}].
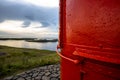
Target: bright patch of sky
[{"x": 14, "y": 27}]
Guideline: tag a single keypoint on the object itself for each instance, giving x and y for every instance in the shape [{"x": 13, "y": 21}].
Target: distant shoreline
[
  {"x": 31, "y": 39},
  {"x": 43, "y": 40},
  {"x": 17, "y": 38}
]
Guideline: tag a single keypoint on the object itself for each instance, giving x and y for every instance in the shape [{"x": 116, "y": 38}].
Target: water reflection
[{"x": 24, "y": 44}]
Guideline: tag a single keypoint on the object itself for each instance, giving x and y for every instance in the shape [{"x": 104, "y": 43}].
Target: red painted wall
[{"x": 90, "y": 33}]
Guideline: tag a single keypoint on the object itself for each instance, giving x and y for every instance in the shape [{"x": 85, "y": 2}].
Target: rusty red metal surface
[{"x": 89, "y": 39}]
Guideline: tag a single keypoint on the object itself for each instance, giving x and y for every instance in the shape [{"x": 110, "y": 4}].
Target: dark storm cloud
[
  {"x": 10, "y": 10},
  {"x": 1, "y": 21},
  {"x": 26, "y": 24}
]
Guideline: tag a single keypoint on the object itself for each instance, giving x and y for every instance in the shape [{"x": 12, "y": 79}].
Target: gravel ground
[{"x": 50, "y": 72}]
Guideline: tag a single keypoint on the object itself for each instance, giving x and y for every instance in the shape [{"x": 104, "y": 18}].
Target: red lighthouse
[{"x": 89, "y": 39}]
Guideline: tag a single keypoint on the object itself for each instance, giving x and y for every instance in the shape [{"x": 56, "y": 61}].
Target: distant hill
[
  {"x": 31, "y": 39},
  {"x": 43, "y": 40}
]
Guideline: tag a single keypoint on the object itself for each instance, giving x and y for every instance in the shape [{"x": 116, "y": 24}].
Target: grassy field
[{"x": 17, "y": 60}]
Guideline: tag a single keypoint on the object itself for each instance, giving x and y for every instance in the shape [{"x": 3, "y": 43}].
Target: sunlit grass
[{"x": 19, "y": 59}]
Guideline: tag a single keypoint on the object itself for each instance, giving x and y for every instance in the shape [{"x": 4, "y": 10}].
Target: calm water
[{"x": 25, "y": 44}]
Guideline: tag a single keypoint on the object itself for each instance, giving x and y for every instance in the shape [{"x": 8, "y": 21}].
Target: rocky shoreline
[{"x": 50, "y": 72}]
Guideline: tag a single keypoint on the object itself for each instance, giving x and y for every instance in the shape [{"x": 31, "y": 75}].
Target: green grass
[{"x": 20, "y": 59}]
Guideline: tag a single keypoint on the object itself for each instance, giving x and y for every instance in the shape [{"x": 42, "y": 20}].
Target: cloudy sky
[{"x": 29, "y": 18}]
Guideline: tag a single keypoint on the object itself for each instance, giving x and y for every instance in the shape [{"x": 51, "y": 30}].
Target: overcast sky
[{"x": 29, "y": 18}]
